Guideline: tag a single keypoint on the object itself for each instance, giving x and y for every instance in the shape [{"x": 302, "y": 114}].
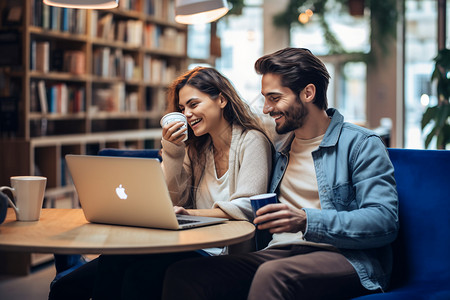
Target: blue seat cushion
[{"x": 144, "y": 153}]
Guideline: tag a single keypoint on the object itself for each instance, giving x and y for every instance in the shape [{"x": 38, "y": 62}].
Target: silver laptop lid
[
  {"x": 121, "y": 190},
  {"x": 125, "y": 191}
]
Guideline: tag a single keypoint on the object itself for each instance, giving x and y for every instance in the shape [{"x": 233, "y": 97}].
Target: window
[
  {"x": 242, "y": 44},
  {"x": 420, "y": 49},
  {"x": 347, "y": 90}
]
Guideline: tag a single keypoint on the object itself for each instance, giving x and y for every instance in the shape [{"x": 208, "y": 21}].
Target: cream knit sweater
[{"x": 250, "y": 166}]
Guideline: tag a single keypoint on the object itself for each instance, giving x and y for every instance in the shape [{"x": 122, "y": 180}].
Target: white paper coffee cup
[{"x": 175, "y": 117}]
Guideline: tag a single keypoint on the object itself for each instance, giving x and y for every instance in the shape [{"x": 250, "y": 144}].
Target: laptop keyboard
[{"x": 184, "y": 221}]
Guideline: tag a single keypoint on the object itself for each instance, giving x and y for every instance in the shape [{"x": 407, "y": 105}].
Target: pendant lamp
[
  {"x": 199, "y": 11},
  {"x": 86, "y": 4}
]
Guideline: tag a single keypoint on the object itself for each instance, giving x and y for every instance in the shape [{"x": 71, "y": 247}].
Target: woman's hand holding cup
[
  {"x": 174, "y": 127},
  {"x": 174, "y": 132}
]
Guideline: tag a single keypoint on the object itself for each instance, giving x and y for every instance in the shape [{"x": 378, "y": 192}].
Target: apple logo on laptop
[{"x": 120, "y": 191}]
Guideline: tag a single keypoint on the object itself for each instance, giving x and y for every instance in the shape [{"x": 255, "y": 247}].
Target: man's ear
[{"x": 309, "y": 93}]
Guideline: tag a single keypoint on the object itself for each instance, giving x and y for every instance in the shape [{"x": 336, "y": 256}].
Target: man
[{"x": 338, "y": 202}]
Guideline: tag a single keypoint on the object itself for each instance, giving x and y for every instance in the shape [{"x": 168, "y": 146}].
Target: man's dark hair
[{"x": 297, "y": 68}]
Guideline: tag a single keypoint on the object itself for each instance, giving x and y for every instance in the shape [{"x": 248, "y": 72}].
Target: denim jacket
[{"x": 358, "y": 197}]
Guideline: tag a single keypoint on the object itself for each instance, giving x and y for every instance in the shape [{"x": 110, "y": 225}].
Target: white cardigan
[{"x": 250, "y": 166}]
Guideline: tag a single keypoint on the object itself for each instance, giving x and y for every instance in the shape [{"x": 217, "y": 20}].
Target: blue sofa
[
  {"x": 422, "y": 250},
  {"x": 145, "y": 153}
]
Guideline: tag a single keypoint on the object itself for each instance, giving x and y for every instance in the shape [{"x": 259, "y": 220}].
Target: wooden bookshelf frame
[{"x": 31, "y": 150}]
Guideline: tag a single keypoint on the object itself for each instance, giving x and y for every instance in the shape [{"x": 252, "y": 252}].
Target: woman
[
  {"x": 226, "y": 159},
  {"x": 226, "y": 148}
]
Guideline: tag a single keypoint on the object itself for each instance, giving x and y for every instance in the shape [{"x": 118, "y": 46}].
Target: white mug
[
  {"x": 175, "y": 116},
  {"x": 28, "y": 193}
]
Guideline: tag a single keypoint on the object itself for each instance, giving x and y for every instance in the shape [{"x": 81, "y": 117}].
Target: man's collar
[{"x": 334, "y": 129}]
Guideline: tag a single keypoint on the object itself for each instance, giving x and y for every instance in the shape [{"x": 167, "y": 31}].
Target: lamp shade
[
  {"x": 199, "y": 11},
  {"x": 86, "y": 4}
]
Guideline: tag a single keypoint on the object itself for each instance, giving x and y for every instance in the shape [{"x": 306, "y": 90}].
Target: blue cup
[
  {"x": 259, "y": 201},
  {"x": 262, "y": 237}
]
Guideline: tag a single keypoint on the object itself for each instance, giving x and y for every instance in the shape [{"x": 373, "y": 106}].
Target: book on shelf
[
  {"x": 135, "y": 5},
  {"x": 119, "y": 96},
  {"x": 121, "y": 30},
  {"x": 116, "y": 65},
  {"x": 105, "y": 27},
  {"x": 75, "y": 62},
  {"x": 158, "y": 71},
  {"x": 173, "y": 40},
  {"x": 131, "y": 102},
  {"x": 171, "y": 11},
  {"x": 36, "y": 9},
  {"x": 60, "y": 19},
  {"x": 52, "y": 99},
  {"x": 33, "y": 55},
  {"x": 42, "y": 56},
  {"x": 134, "y": 32},
  {"x": 93, "y": 20},
  {"x": 55, "y": 18},
  {"x": 61, "y": 98},
  {"x": 112, "y": 99},
  {"x": 45, "y": 17},
  {"x": 112, "y": 63},
  {"x": 58, "y": 98},
  {"x": 101, "y": 61},
  {"x": 66, "y": 99},
  {"x": 34, "y": 102},
  {"x": 79, "y": 21},
  {"x": 156, "y": 101},
  {"x": 64, "y": 19},
  {"x": 42, "y": 95},
  {"x": 129, "y": 72},
  {"x": 77, "y": 100},
  {"x": 146, "y": 73},
  {"x": 154, "y": 8},
  {"x": 152, "y": 34}
]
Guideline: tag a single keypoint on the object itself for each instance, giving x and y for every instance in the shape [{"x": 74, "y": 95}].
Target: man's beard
[{"x": 294, "y": 118}]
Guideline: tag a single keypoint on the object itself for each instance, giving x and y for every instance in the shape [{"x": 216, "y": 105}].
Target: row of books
[
  {"x": 56, "y": 18},
  {"x": 56, "y": 98},
  {"x": 150, "y": 7},
  {"x": 63, "y": 99},
  {"x": 156, "y": 37},
  {"x": 114, "y": 99},
  {"x": 137, "y": 33},
  {"x": 44, "y": 60},
  {"x": 158, "y": 71},
  {"x": 112, "y": 63},
  {"x": 127, "y": 31}
]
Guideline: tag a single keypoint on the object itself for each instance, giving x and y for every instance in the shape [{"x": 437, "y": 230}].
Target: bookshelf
[{"x": 75, "y": 81}]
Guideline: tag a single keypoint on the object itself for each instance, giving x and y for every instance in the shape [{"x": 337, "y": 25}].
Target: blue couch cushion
[
  {"x": 421, "y": 252},
  {"x": 144, "y": 153}
]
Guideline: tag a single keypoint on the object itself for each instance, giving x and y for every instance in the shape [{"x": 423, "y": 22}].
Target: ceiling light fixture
[
  {"x": 84, "y": 4},
  {"x": 199, "y": 11}
]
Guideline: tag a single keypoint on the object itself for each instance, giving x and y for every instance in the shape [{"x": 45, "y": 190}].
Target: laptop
[{"x": 127, "y": 191}]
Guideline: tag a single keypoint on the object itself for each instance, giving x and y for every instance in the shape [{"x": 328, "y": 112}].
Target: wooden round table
[{"x": 66, "y": 231}]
